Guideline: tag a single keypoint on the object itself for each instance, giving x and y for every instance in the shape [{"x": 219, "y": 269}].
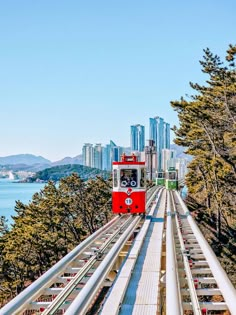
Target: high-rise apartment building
[
  {"x": 168, "y": 159},
  {"x": 116, "y": 153},
  {"x": 87, "y": 152},
  {"x": 166, "y": 135},
  {"x": 97, "y": 156},
  {"x": 101, "y": 157},
  {"x": 137, "y": 138},
  {"x": 108, "y": 156},
  {"x": 159, "y": 132},
  {"x": 181, "y": 165}
]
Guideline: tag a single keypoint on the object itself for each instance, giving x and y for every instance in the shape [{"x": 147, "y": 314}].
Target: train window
[
  {"x": 172, "y": 175},
  {"x": 160, "y": 175},
  {"x": 128, "y": 178},
  {"x": 115, "y": 178},
  {"x": 142, "y": 179}
]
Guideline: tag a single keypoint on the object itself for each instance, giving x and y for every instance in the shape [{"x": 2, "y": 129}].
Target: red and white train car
[{"x": 129, "y": 185}]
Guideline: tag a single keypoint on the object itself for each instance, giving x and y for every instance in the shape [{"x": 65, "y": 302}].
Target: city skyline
[
  {"x": 96, "y": 155},
  {"x": 89, "y": 145},
  {"x": 75, "y": 72}
]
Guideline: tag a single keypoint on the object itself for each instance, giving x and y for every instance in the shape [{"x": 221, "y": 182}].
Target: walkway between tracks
[{"x": 136, "y": 290}]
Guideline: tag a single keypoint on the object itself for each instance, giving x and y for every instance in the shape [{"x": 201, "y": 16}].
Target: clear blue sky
[{"x": 83, "y": 71}]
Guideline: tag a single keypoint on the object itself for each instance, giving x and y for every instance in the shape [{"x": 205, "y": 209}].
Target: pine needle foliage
[
  {"x": 208, "y": 129},
  {"x": 57, "y": 219}
]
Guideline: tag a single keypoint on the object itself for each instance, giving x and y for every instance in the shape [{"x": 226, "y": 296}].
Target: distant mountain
[
  {"x": 180, "y": 152},
  {"x": 28, "y": 159},
  {"x": 24, "y": 167},
  {"x": 68, "y": 160},
  {"x": 35, "y": 163}
]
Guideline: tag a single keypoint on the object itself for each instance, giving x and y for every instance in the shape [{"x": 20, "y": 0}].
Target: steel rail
[
  {"x": 193, "y": 295},
  {"x": 18, "y": 304},
  {"x": 152, "y": 196},
  {"x": 173, "y": 303},
  {"x": 83, "y": 301},
  {"x": 222, "y": 280},
  {"x": 117, "y": 293},
  {"x": 32, "y": 292},
  {"x": 62, "y": 296}
]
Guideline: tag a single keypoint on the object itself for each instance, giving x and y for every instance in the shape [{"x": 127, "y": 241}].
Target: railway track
[
  {"x": 195, "y": 281},
  {"x": 188, "y": 279},
  {"x": 136, "y": 289},
  {"x": 177, "y": 270},
  {"x": 79, "y": 275}
]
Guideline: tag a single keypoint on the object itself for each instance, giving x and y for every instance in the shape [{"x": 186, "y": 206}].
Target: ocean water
[
  {"x": 11, "y": 191},
  {"x": 184, "y": 192}
]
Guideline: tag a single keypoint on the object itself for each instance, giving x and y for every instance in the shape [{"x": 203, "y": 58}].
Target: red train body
[{"x": 129, "y": 185}]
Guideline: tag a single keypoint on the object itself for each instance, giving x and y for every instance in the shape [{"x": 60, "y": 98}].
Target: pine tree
[
  {"x": 56, "y": 220},
  {"x": 207, "y": 128}
]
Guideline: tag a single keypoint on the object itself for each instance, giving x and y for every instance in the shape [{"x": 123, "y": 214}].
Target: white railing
[
  {"x": 223, "y": 282},
  {"x": 173, "y": 303}
]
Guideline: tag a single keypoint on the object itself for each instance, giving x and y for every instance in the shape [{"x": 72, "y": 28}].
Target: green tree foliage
[
  {"x": 58, "y": 172},
  {"x": 207, "y": 128},
  {"x": 57, "y": 219}
]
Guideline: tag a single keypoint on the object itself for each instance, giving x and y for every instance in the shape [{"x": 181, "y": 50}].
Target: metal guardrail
[
  {"x": 71, "y": 286},
  {"x": 31, "y": 292},
  {"x": 192, "y": 291},
  {"x": 82, "y": 302},
  {"x": 173, "y": 301},
  {"x": 223, "y": 282},
  {"x": 22, "y": 301},
  {"x": 119, "y": 289}
]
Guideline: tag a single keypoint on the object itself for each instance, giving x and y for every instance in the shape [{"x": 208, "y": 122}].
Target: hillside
[
  {"x": 69, "y": 160},
  {"x": 180, "y": 152},
  {"x": 57, "y": 172}
]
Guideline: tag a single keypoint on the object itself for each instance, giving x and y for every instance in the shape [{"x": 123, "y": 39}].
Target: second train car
[
  {"x": 168, "y": 179},
  {"x": 129, "y": 185},
  {"x": 160, "y": 179},
  {"x": 171, "y": 181}
]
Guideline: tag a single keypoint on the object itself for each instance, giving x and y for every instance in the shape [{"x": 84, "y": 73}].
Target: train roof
[
  {"x": 128, "y": 160},
  {"x": 128, "y": 163}
]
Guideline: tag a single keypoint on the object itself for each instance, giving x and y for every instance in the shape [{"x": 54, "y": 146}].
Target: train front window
[
  {"x": 115, "y": 178},
  {"x": 128, "y": 178},
  {"x": 172, "y": 175}
]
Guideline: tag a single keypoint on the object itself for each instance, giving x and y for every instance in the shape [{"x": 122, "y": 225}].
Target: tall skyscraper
[
  {"x": 116, "y": 153},
  {"x": 166, "y": 135},
  {"x": 159, "y": 131},
  {"x": 108, "y": 156},
  {"x": 137, "y": 138},
  {"x": 87, "y": 153},
  {"x": 97, "y": 155}
]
